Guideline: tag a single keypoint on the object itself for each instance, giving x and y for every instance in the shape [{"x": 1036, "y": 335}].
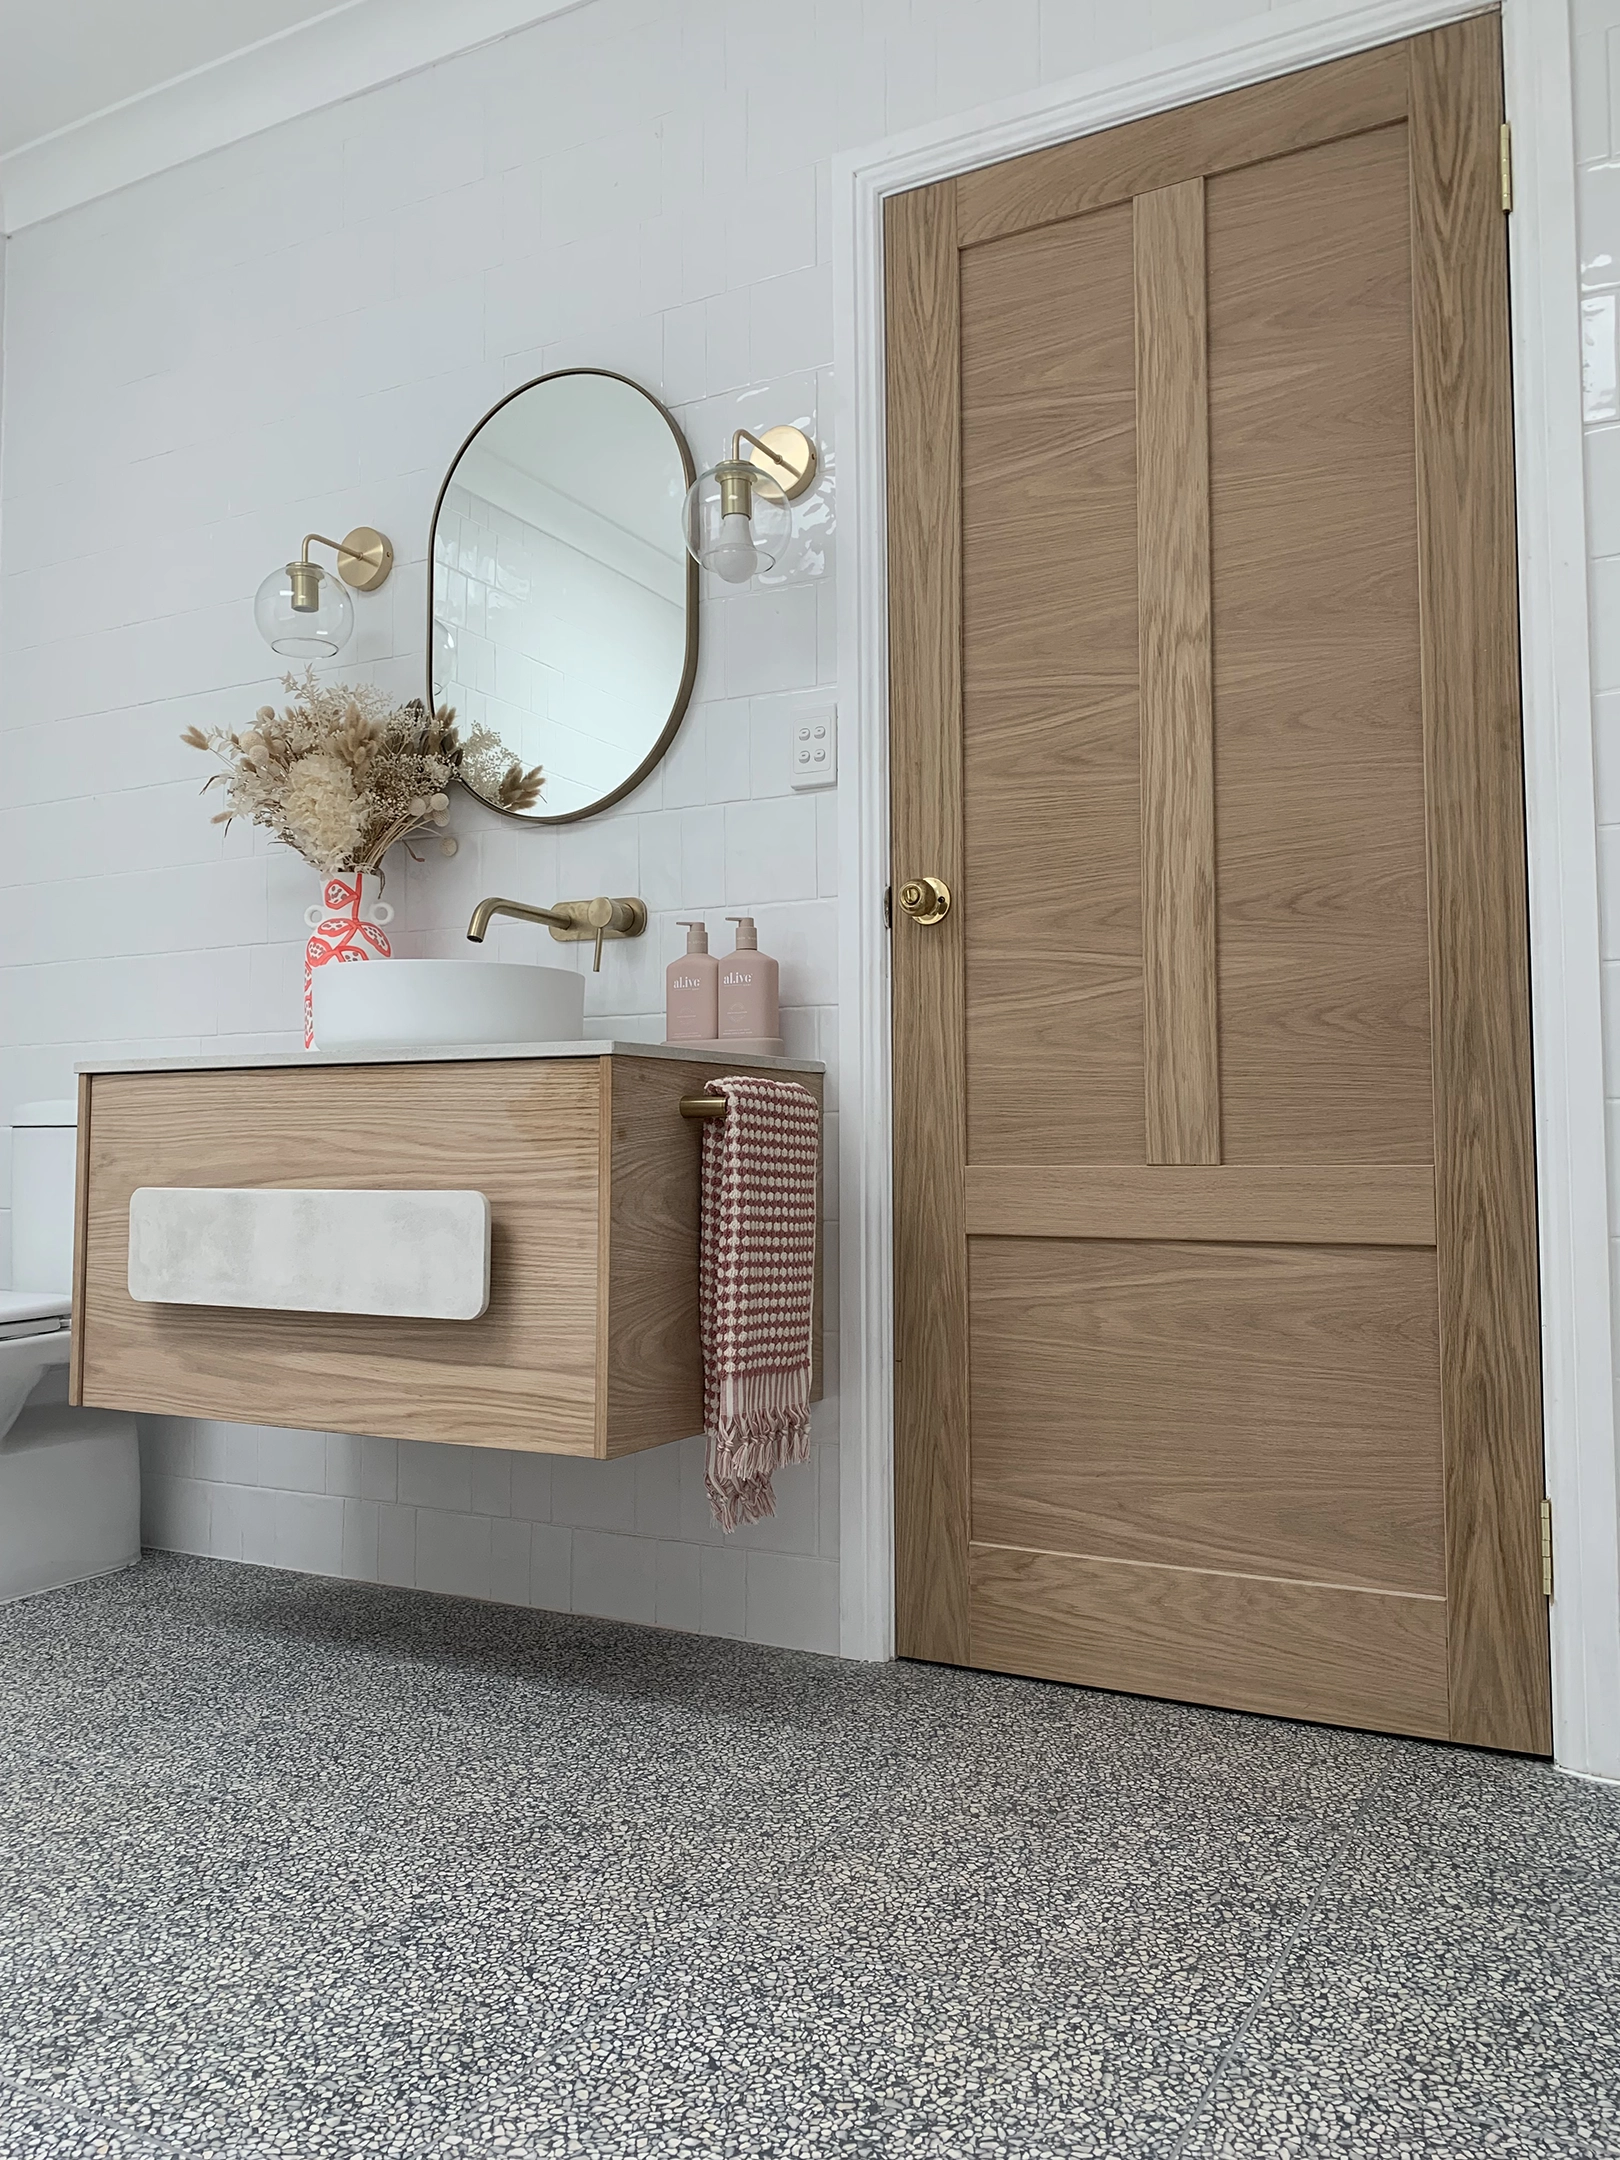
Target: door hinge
[
  {"x": 1546, "y": 1548},
  {"x": 1504, "y": 159},
  {"x": 888, "y": 907}
]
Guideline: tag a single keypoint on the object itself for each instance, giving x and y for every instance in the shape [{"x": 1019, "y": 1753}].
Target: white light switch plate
[{"x": 813, "y": 749}]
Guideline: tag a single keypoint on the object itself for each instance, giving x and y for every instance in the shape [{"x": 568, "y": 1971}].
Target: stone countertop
[{"x": 714, "y": 1054}]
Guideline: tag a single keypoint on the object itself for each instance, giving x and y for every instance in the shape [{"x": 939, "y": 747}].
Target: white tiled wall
[
  {"x": 295, "y": 334},
  {"x": 627, "y": 1540}
]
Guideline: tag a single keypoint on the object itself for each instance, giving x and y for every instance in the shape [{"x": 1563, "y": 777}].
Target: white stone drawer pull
[{"x": 407, "y": 1255}]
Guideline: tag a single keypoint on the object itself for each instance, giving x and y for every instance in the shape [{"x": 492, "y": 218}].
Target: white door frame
[{"x": 1560, "y": 807}]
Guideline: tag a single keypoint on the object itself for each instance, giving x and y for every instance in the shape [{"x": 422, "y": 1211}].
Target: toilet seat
[
  {"x": 70, "y": 1478},
  {"x": 34, "y": 1312},
  {"x": 35, "y": 1336}
]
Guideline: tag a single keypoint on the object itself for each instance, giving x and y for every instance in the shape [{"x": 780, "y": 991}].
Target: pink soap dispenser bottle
[
  {"x": 692, "y": 990},
  {"x": 750, "y": 1013}
]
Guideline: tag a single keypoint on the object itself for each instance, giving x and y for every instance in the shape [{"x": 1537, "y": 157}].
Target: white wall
[{"x": 296, "y": 333}]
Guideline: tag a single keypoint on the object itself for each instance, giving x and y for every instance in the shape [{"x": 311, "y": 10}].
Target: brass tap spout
[{"x": 556, "y": 918}]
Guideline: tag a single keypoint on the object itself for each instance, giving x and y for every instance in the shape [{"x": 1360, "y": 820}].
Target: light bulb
[
  {"x": 736, "y": 521},
  {"x": 734, "y": 556}
]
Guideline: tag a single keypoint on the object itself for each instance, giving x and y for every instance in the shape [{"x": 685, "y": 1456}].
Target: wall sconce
[
  {"x": 736, "y": 517},
  {"x": 303, "y": 610}
]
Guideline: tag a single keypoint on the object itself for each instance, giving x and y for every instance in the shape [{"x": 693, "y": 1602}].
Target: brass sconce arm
[
  {"x": 742, "y": 435},
  {"x": 788, "y": 448},
  {"x": 570, "y": 921},
  {"x": 364, "y": 559}
]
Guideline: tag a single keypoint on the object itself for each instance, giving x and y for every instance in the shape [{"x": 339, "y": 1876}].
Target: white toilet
[{"x": 70, "y": 1480}]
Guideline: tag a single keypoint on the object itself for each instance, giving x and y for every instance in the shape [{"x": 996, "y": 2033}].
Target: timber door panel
[
  {"x": 1054, "y": 973},
  {"x": 1215, "y": 1258},
  {"x": 1301, "y": 1440},
  {"x": 1323, "y": 924}
]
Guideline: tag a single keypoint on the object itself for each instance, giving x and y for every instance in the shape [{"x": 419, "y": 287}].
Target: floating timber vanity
[{"x": 588, "y": 1344}]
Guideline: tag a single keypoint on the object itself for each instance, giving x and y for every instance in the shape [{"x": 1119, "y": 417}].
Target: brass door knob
[{"x": 926, "y": 899}]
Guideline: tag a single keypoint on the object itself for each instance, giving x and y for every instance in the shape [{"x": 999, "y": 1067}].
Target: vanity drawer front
[{"x": 527, "y": 1134}]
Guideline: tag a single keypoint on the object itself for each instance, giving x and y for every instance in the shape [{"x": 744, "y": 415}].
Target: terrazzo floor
[{"x": 291, "y": 1867}]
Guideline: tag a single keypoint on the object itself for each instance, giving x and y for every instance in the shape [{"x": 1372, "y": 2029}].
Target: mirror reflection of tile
[{"x": 560, "y": 588}]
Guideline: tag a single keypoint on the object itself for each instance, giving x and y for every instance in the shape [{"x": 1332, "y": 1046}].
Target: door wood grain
[
  {"x": 1323, "y": 913},
  {"x": 1052, "y": 945},
  {"x": 1484, "y": 1140},
  {"x": 1220, "y": 134},
  {"x": 925, "y": 706},
  {"x": 1268, "y": 1409},
  {"x": 1216, "y": 1297},
  {"x": 1307, "y": 1204},
  {"x": 1238, "y": 1641},
  {"x": 1181, "y": 1044}
]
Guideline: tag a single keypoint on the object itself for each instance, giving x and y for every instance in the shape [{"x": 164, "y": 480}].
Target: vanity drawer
[{"x": 589, "y": 1343}]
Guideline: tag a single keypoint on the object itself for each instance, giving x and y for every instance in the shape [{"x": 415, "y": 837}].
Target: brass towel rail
[{"x": 703, "y": 1106}]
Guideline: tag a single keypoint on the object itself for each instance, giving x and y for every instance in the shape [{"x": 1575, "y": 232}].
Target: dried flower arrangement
[
  {"x": 340, "y": 775},
  {"x": 492, "y": 773}
]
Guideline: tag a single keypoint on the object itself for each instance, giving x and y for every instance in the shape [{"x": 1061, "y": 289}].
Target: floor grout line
[{"x": 1278, "y": 1965}]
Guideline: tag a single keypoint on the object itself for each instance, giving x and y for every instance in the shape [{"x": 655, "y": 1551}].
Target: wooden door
[{"x": 1215, "y": 1217}]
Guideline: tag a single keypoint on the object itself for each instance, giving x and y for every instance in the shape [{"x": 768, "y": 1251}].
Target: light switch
[{"x": 813, "y": 749}]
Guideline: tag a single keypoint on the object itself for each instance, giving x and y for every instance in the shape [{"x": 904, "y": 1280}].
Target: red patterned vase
[{"x": 347, "y": 926}]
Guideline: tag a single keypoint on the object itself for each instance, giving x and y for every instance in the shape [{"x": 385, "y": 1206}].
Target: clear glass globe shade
[
  {"x": 724, "y": 538},
  {"x": 303, "y": 633}
]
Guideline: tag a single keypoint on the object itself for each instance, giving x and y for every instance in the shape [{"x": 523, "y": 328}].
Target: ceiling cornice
[{"x": 355, "y": 47}]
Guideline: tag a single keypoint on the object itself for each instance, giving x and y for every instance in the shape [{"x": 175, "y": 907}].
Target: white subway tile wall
[
  {"x": 296, "y": 333},
  {"x": 628, "y": 1540}
]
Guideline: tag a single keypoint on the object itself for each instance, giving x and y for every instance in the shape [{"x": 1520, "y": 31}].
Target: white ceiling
[{"x": 62, "y": 60}]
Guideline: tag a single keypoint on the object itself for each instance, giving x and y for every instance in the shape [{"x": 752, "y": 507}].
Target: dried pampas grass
[
  {"x": 491, "y": 771},
  {"x": 339, "y": 774}
]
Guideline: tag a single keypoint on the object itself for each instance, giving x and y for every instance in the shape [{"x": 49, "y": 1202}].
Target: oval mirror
[{"x": 562, "y": 604}]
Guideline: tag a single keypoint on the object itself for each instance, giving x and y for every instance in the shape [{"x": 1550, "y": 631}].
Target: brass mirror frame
[{"x": 683, "y": 695}]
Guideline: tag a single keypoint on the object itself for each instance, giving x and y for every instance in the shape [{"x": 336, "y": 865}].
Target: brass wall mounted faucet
[{"x": 570, "y": 921}]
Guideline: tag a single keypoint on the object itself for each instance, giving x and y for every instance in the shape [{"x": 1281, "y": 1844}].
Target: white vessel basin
[{"x": 417, "y": 1004}]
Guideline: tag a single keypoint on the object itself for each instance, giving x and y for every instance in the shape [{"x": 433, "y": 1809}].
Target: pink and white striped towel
[{"x": 756, "y": 1288}]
